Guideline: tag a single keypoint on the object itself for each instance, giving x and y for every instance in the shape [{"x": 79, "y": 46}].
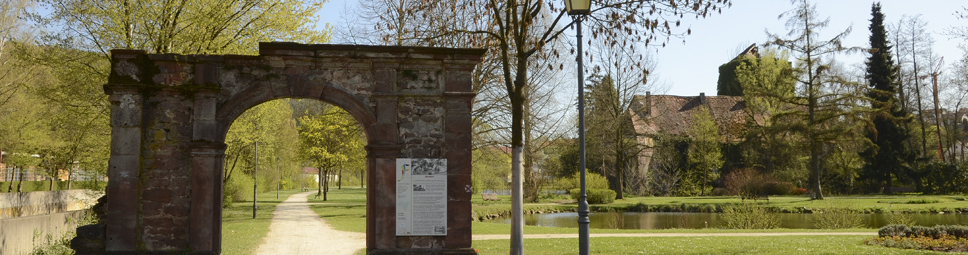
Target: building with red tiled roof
[{"x": 653, "y": 115}]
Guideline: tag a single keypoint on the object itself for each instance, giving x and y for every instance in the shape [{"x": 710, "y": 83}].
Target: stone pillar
[
  {"x": 381, "y": 196},
  {"x": 122, "y": 219},
  {"x": 207, "y": 158},
  {"x": 458, "y": 99},
  {"x": 382, "y": 153}
]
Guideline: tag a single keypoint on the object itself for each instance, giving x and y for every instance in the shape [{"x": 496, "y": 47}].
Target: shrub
[
  {"x": 777, "y": 188},
  {"x": 957, "y": 231},
  {"x": 897, "y": 218},
  {"x": 749, "y": 216},
  {"x": 923, "y": 201},
  {"x": 799, "y": 191},
  {"x": 592, "y": 181},
  {"x": 893, "y": 230},
  {"x": 238, "y": 188},
  {"x": 938, "y": 238},
  {"x": 749, "y": 183},
  {"x": 837, "y": 218},
  {"x": 944, "y": 178},
  {"x": 595, "y": 196},
  {"x": 720, "y": 192},
  {"x": 940, "y": 231}
]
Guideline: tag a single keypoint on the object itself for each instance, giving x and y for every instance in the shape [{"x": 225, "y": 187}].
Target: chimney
[
  {"x": 702, "y": 98},
  {"x": 648, "y": 103}
]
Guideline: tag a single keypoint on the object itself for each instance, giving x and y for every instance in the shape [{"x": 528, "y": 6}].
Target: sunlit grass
[
  {"x": 241, "y": 234},
  {"x": 345, "y": 210},
  {"x": 834, "y": 245},
  {"x": 859, "y": 203}
]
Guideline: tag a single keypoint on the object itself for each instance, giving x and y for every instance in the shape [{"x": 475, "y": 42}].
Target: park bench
[{"x": 490, "y": 197}]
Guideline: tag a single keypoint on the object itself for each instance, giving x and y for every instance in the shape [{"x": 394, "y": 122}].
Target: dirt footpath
[{"x": 295, "y": 229}]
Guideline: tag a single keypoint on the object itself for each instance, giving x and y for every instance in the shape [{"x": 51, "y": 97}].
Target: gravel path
[{"x": 295, "y": 229}]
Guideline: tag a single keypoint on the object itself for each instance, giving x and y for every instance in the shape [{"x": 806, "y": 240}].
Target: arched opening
[
  {"x": 278, "y": 155},
  {"x": 170, "y": 116}
]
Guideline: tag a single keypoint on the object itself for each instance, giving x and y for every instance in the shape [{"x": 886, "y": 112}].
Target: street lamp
[
  {"x": 577, "y": 9},
  {"x": 255, "y": 180},
  {"x": 278, "y": 178}
]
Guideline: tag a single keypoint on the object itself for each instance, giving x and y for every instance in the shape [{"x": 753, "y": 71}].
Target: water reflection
[{"x": 666, "y": 220}]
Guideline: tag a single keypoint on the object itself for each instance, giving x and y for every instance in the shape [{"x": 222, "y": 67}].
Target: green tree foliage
[
  {"x": 182, "y": 26},
  {"x": 813, "y": 72},
  {"x": 610, "y": 133},
  {"x": 77, "y": 37},
  {"x": 13, "y": 76},
  {"x": 743, "y": 72},
  {"x": 705, "y": 154},
  {"x": 329, "y": 141},
  {"x": 21, "y": 130},
  {"x": 271, "y": 125},
  {"x": 727, "y": 85},
  {"x": 889, "y": 157},
  {"x": 668, "y": 167},
  {"x": 769, "y": 87},
  {"x": 491, "y": 169},
  {"x": 21, "y": 134}
]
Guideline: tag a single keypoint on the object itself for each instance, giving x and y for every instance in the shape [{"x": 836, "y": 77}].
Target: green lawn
[
  {"x": 865, "y": 203},
  {"x": 346, "y": 209},
  {"x": 241, "y": 234},
  {"x": 859, "y": 203},
  {"x": 846, "y": 245}
]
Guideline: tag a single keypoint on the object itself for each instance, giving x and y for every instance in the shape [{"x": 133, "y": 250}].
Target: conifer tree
[{"x": 888, "y": 155}]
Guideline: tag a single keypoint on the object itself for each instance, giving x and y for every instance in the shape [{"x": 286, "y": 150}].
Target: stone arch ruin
[{"x": 170, "y": 114}]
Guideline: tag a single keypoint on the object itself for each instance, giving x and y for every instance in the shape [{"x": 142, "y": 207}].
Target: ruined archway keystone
[{"x": 170, "y": 114}]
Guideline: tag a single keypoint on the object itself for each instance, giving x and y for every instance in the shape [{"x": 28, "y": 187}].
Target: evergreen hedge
[{"x": 936, "y": 232}]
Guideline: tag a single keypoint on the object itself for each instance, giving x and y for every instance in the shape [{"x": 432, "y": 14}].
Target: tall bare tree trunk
[
  {"x": 20, "y": 184},
  {"x": 319, "y": 187},
  {"x": 917, "y": 91}
]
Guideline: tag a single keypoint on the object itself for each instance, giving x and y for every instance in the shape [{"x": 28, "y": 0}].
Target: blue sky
[{"x": 692, "y": 67}]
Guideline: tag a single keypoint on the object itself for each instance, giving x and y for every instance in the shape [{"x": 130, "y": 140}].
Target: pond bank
[{"x": 783, "y": 204}]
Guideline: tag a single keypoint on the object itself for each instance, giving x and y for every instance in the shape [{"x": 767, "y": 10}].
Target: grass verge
[
  {"x": 833, "y": 245},
  {"x": 345, "y": 210},
  {"x": 241, "y": 234}
]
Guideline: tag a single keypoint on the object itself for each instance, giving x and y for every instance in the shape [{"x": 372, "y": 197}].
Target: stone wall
[
  {"x": 19, "y": 236},
  {"x": 170, "y": 114},
  {"x": 23, "y": 204}
]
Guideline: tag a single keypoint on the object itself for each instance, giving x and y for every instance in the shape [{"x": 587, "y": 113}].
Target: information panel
[{"x": 421, "y": 197}]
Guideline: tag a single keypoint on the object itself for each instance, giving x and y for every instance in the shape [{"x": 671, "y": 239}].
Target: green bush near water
[
  {"x": 837, "y": 218},
  {"x": 595, "y": 196},
  {"x": 749, "y": 216}
]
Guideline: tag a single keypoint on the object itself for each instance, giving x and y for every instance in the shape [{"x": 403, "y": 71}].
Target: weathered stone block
[{"x": 404, "y": 97}]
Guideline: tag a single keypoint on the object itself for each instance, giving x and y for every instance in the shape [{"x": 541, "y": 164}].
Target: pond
[{"x": 666, "y": 220}]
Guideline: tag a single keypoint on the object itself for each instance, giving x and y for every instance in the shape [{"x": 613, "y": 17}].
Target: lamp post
[
  {"x": 255, "y": 180},
  {"x": 578, "y": 9},
  {"x": 278, "y": 178}
]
